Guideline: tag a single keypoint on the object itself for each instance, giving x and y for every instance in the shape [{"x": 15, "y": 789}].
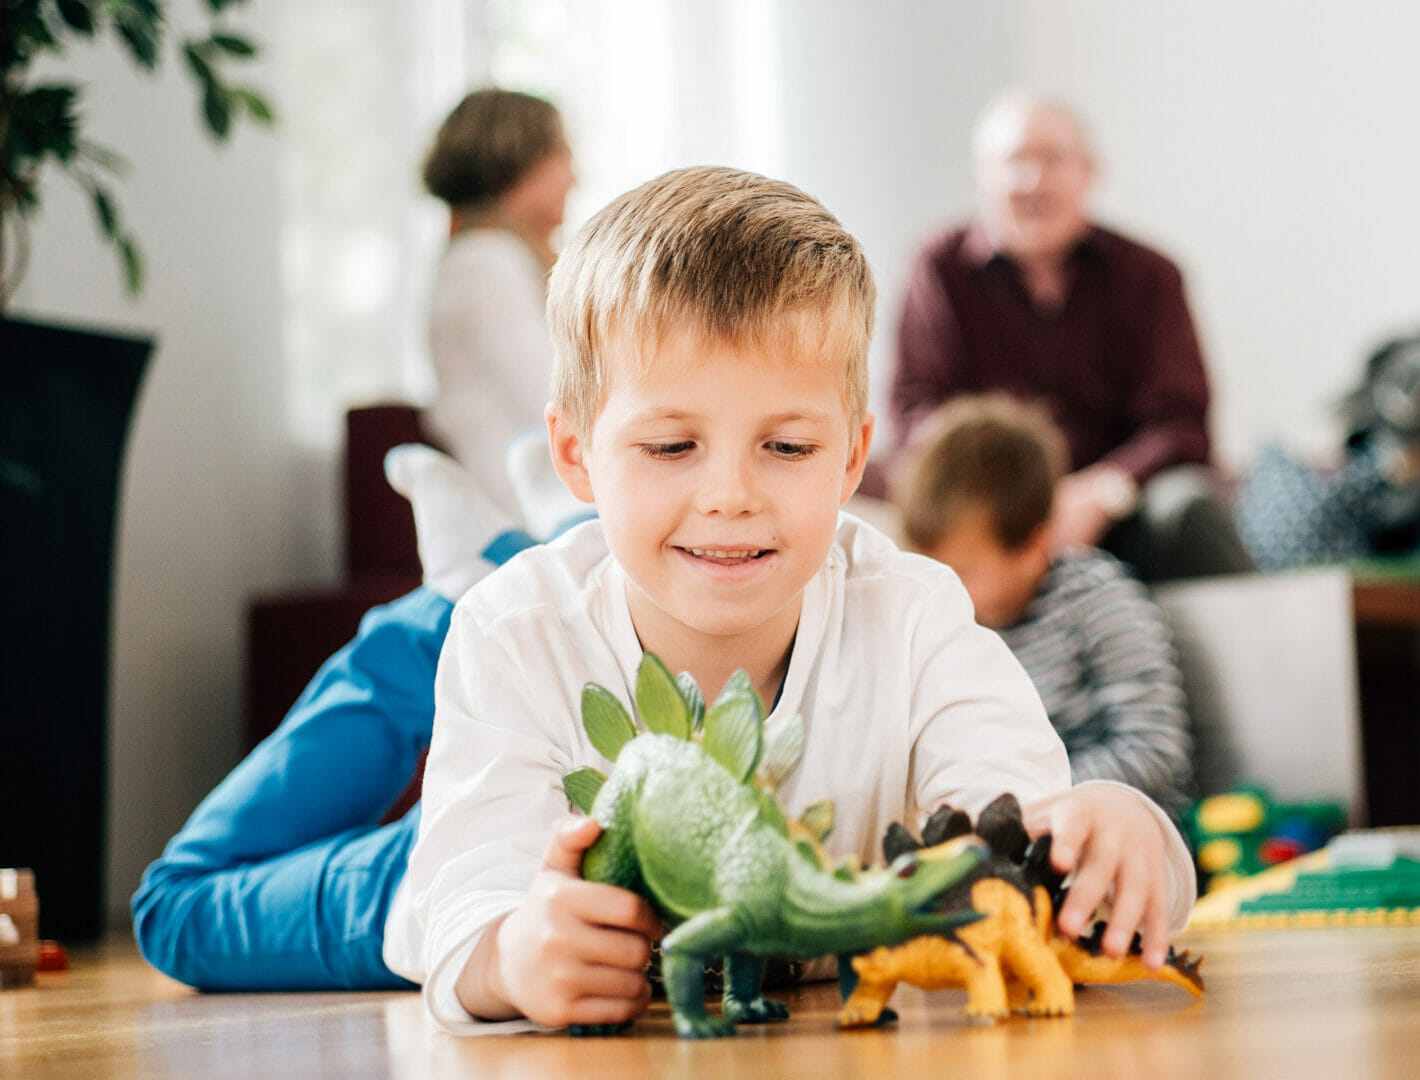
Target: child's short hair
[
  {"x": 731, "y": 255},
  {"x": 990, "y": 451},
  {"x": 490, "y": 139}
]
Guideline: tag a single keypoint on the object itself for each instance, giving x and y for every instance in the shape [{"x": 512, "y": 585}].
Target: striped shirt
[{"x": 1101, "y": 656}]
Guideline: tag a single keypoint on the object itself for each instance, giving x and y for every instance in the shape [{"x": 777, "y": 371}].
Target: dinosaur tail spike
[{"x": 1186, "y": 965}]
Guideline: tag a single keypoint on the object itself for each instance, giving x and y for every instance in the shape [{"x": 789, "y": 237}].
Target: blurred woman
[{"x": 501, "y": 163}]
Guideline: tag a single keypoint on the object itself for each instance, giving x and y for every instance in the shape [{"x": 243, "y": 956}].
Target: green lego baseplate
[{"x": 1366, "y": 878}]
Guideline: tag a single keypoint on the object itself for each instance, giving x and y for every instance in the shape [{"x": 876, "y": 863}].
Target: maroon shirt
[{"x": 1118, "y": 366}]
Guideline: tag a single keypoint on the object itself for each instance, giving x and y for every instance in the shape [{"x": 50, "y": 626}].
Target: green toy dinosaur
[{"x": 691, "y": 822}]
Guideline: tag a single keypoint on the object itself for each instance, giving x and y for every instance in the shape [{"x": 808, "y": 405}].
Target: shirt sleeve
[
  {"x": 1170, "y": 399},
  {"x": 979, "y": 726},
  {"x": 492, "y": 792},
  {"x": 1135, "y": 728}
]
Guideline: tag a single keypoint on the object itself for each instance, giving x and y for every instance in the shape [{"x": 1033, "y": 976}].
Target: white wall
[
  {"x": 1270, "y": 146},
  {"x": 880, "y": 99}
]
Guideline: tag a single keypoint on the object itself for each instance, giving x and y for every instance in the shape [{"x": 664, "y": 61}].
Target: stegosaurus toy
[
  {"x": 1012, "y": 959},
  {"x": 690, "y": 820}
]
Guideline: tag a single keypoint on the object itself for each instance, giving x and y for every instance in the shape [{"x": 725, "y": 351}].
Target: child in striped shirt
[{"x": 978, "y": 497}]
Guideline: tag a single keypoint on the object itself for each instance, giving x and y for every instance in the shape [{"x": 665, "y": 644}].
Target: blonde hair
[
  {"x": 730, "y": 255},
  {"x": 484, "y": 146},
  {"x": 990, "y": 451}
]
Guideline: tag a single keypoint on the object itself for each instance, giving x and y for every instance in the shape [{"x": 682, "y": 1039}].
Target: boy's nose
[{"x": 728, "y": 488}]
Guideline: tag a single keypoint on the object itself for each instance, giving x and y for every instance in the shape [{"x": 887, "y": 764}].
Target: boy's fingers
[
  {"x": 1155, "y": 933},
  {"x": 612, "y": 906},
  {"x": 621, "y": 949},
  {"x": 598, "y": 980},
  {"x": 1093, "y": 878},
  {"x": 611, "y": 1010},
  {"x": 1131, "y": 895},
  {"x": 570, "y": 839}
]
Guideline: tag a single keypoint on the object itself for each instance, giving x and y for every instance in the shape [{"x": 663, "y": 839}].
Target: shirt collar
[{"x": 977, "y": 251}]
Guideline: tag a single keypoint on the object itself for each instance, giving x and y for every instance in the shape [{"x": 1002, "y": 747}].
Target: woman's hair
[{"x": 490, "y": 139}]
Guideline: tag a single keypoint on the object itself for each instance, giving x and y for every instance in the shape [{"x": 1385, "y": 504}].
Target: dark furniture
[{"x": 292, "y": 632}]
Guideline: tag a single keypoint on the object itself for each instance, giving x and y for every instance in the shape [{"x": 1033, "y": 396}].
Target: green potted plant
[{"x": 66, "y": 398}]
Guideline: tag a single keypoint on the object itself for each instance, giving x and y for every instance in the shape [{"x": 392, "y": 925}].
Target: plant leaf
[
  {"x": 233, "y": 45},
  {"x": 817, "y": 819},
  {"x": 216, "y": 110},
  {"x": 44, "y": 120},
  {"x": 694, "y": 699},
  {"x": 107, "y": 212},
  {"x": 140, "y": 29},
  {"x": 658, "y": 699},
  {"x": 783, "y": 746},
  {"x": 198, "y": 65},
  {"x": 734, "y": 733},
  {"x": 582, "y": 786},
  {"x": 609, "y": 726},
  {"x": 256, "y": 106},
  {"x": 738, "y": 683},
  {"x": 132, "y": 257},
  {"x": 77, "y": 15}
]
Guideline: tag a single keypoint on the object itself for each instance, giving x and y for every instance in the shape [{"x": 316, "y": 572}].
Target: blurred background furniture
[
  {"x": 1269, "y": 667},
  {"x": 292, "y": 632}
]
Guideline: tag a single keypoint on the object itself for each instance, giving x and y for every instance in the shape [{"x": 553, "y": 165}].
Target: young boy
[
  {"x": 978, "y": 497},
  {"x": 710, "y": 335}
]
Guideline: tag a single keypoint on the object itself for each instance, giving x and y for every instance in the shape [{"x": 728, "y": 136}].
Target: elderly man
[{"x": 1033, "y": 299}]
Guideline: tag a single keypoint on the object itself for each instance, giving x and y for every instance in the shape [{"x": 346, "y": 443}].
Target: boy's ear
[
  {"x": 1042, "y": 542},
  {"x": 568, "y": 453},
  {"x": 857, "y": 458}
]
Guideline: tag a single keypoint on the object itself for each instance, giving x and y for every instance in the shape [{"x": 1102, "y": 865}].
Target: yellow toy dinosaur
[{"x": 1012, "y": 959}]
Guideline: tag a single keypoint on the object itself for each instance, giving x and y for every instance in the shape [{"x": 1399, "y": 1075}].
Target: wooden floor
[{"x": 1280, "y": 1003}]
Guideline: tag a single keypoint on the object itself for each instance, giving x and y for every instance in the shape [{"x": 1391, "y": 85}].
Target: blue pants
[{"x": 283, "y": 876}]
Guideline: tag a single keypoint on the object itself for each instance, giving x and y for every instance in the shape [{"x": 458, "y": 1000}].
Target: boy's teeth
[{"x": 705, "y": 554}]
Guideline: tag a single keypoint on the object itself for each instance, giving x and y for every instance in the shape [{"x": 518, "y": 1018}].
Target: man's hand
[
  {"x": 1115, "y": 846},
  {"x": 574, "y": 953},
  {"x": 1088, "y": 502}
]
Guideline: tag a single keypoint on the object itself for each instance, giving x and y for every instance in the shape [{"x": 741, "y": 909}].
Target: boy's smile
[{"x": 718, "y": 471}]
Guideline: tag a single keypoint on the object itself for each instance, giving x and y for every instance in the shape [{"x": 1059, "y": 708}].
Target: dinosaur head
[{"x": 924, "y": 881}]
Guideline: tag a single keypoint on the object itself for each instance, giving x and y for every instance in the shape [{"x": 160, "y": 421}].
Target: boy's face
[
  {"x": 717, "y": 472},
  {"x": 1001, "y": 581}
]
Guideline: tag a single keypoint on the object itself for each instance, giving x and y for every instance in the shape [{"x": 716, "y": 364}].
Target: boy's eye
[
  {"x": 791, "y": 449},
  {"x": 667, "y": 450}
]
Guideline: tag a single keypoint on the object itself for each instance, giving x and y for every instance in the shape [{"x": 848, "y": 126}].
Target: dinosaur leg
[
  {"x": 876, "y": 979},
  {"x": 1030, "y": 958},
  {"x": 866, "y": 1006},
  {"x": 986, "y": 991},
  {"x": 848, "y": 983},
  {"x": 683, "y": 954},
  {"x": 743, "y": 1002}
]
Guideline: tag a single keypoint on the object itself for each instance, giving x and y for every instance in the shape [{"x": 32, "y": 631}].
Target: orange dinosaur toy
[{"x": 1012, "y": 959}]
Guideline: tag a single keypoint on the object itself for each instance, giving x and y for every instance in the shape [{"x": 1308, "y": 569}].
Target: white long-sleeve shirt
[
  {"x": 491, "y": 351},
  {"x": 907, "y": 703}
]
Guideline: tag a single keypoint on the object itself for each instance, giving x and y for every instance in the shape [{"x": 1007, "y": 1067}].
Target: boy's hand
[
  {"x": 574, "y": 953},
  {"x": 1112, "y": 842}
]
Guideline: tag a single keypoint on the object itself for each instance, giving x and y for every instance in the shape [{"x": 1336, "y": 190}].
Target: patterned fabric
[
  {"x": 1101, "y": 656},
  {"x": 1290, "y": 514}
]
